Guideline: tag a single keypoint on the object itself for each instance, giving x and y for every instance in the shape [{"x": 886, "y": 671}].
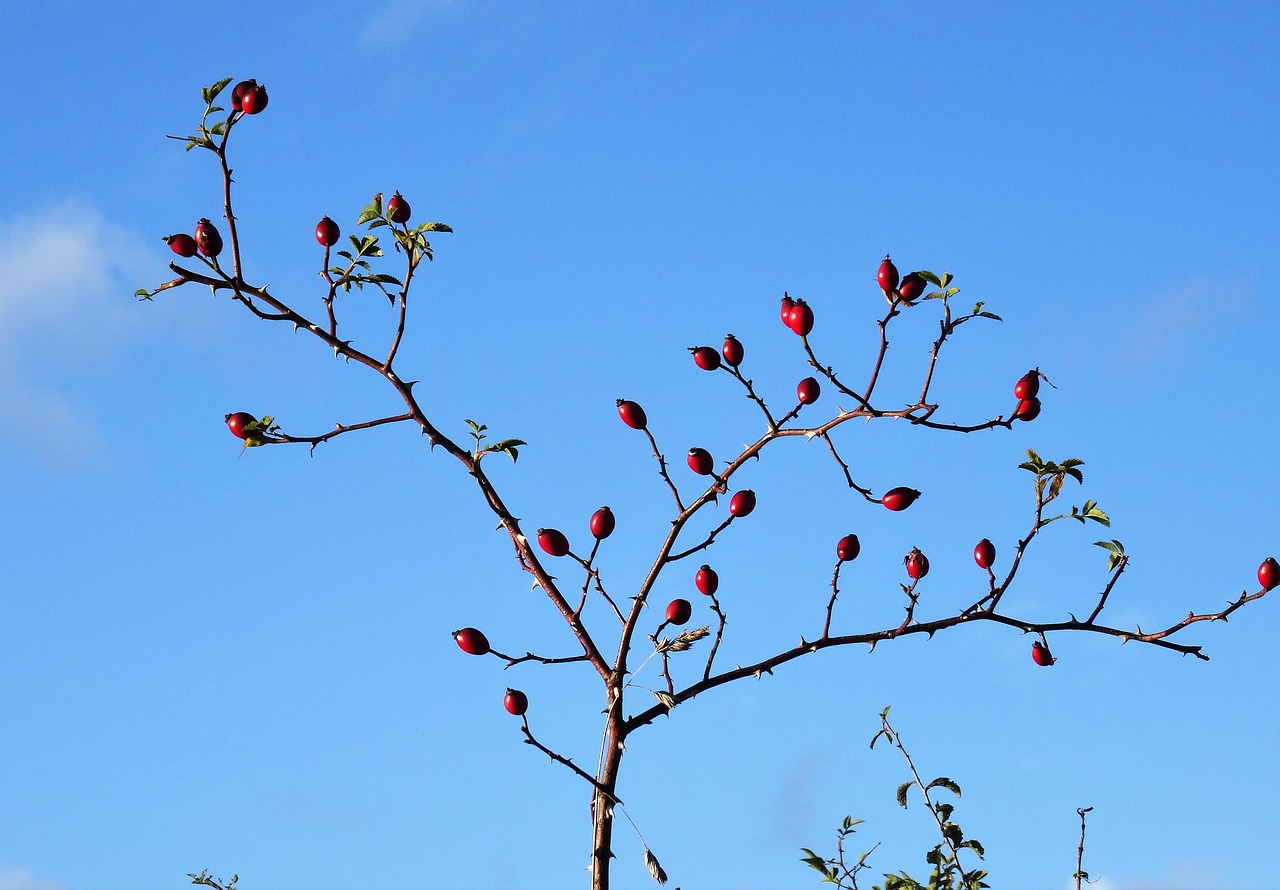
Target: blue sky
[{"x": 242, "y": 662}]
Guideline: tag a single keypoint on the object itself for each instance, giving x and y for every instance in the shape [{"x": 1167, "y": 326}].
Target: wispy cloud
[
  {"x": 64, "y": 307},
  {"x": 397, "y": 19},
  {"x": 24, "y": 879},
  {"x": 1165, "y": 323}
]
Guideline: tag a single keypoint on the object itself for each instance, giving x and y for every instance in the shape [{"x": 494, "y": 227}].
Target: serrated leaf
[
  {"x": 952, "y": 291},
  {"x": 365, "y": 215},
  {"x": 975, "y": 847},
  {"x": 217, "y": 88},
  {"x": 902, "y": 794},
  {"x": 945, "y": 279},
  {"x": 930, "y": 277},
  {"x": 436, "y": 227},
  {"x": 384, "y": 279}
]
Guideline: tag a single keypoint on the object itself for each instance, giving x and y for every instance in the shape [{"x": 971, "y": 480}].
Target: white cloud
[
  {"x": 65, "y": 305},
  {"x": 398, "y": 18},
  {"x": 24, "y": 879}
]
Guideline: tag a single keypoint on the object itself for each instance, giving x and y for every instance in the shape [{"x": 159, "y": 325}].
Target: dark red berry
[
  {"x": 1028, "y": 409},
  {"x": 911, "y": 287},
  {"x": 254, "y": 100},
  {"x": 238, "y": 422},
  {"x": 801, "y": 318},
  {"x": 887, "y": 274},
  {"x": 700, "y": 461},
  {"x": 632, "y": 414},
  {"x": 208, "y": 241},
  {"x": 1028, "y": 385},
  {"x": 742, "y": 503},
  {"x": 182, "y": 244},
  {"x": 1269, "y": 573},
  {"x": 553, "y": 541},
  {"x": 899, "y": 498},
  {"x": 471, "y": 641},
  {"x": 984, "y": 554},
  {"x": 917, "y": 563},
  {"x": 1041, "y": 655},
  {"x": 808, "y": 390},
  {"x": 706, "y": 580},
  {"x": 678, "y": 611},
  {"x": 238, "y": 91},
  {"x": 516, "y": 702},
  {"x": 787, "y": 305},
  {"x": 732, "y": 351},
  {"x": 602, "y": 523},
  {"x": 848, "y": 548},
  {"x": 398, "y": 209},
  {"x": 705, "y": 357},
  {"x": 327, "y": 232}
]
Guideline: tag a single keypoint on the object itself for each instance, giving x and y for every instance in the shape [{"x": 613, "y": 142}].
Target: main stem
[{"x": 605, "y": 794}]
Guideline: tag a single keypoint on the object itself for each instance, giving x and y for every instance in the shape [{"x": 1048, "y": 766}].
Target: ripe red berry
[
  {"x": 327, "y": 232},
  {"x": 678, "y": 611},
  {"x": 516, "y": 702},
  {"x": 1041, "y": 655},
  {"x": 237, "y": 423},
  {"x": 238, "y": 92},
  {"x": 801, "y": 318},
  {"x": 917, "y": 563},
  {"x": 398, "y": 209},
  {"x": 808, "y": 390},
  {"x": 911, "y": 287},
  {"x": 254, "y": 99},
  {"x": 632, "y": 414},
  {"x": 699, "y": 460},
  {"x": 732, "y": 351},
  {"x": 887, "y": 274},
  {"x": 1269, "y": 573},
  {"x": 848, "y": 548},
  {"x": 899, "y": 498},
  {"x": 208, "y": 241},
  {"x": 471, "y": 641},
  {"x": 553, "y": 541},
  {"x": 705, "y": 357},
  {"x": 742, "y": 503},
  {"x": 787, "y": 305},
  {"x": 182, "y": 244},
  {"x": 1028, "y": 409},
  {"x": 706, "y": 580},
  {"x": 602, "y": 523},
  {"x": 1028, "y": 385},
  {"x": 984, "y": 554}
]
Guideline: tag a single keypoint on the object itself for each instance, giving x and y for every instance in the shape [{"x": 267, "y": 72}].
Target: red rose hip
[
  {"x": 732, "y": 351},
  {"x": 254, "y": 99},
  {"x": 602, "y": 523},
  {"x": 238, "y": 422},
  {"x": 1269, "y": 573},
  {"x": 516, "y": 702},
  {"x": 678, "y": 611},
  {"x": 848, "y": 548},
  {"x": 1028, "y": 409},
  {"x": 1041, "y": 655},
  {"x": 208, "y": 240},
  {"x": 705, "y": 357},
  {"x": 699, "y": 460},
  {"x": 182, "y": 244},
  {"x": 911, "y": 287},
  {"x": 887, "y": 274},
  {"x": 327, "y": 232},
  {"x": 808, "y": 390},
  {"x": 742, "y": 503},
  {"x": 917, "y": 564},
  {"x": 899, "y": 498},
  {"x": 706, "y": 580},
  {"x": 553, "y": 541},
  {"x": 471, "y": 641},
  {"x": 984, "y": 554},
  {"x": 1028, "y": 385},
  {"x": 238, "y": 93},
  {"x": 787, "y": 305},
  {"x": 801, "y": 319},
  {"x": 398, "y": 209},
  {"x": 632, "y": 414}
]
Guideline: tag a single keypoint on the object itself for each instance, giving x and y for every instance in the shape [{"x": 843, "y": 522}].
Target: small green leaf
[
  {"x": 944, "y": 782},
  {"x": 945, "y": 279},
  {"x": 142, "y": 293},
  {"x": 902, "y": 794},
  {"x": 931, "y": 278},
  {"x": 952, "y": 291},
  {"x": 990, "y": 315},
  {"x": 435, "y": 227}
]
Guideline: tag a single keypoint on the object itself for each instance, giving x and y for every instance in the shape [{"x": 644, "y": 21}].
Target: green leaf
[
  {"x": 217, "y": 88},
  {"x": 142, "y": 293},
  {"x": 990, "y": 315},
  {"x": 902, "y": 794},
  {"x": 975, "y": 847},
  {"x": 435, "y": 227},
  {"x": 952, "y": 291},
  {"x": 945, "y": 279},
  {"x": 944, "y": 782},
  {"x": 931, "y": 278}
]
